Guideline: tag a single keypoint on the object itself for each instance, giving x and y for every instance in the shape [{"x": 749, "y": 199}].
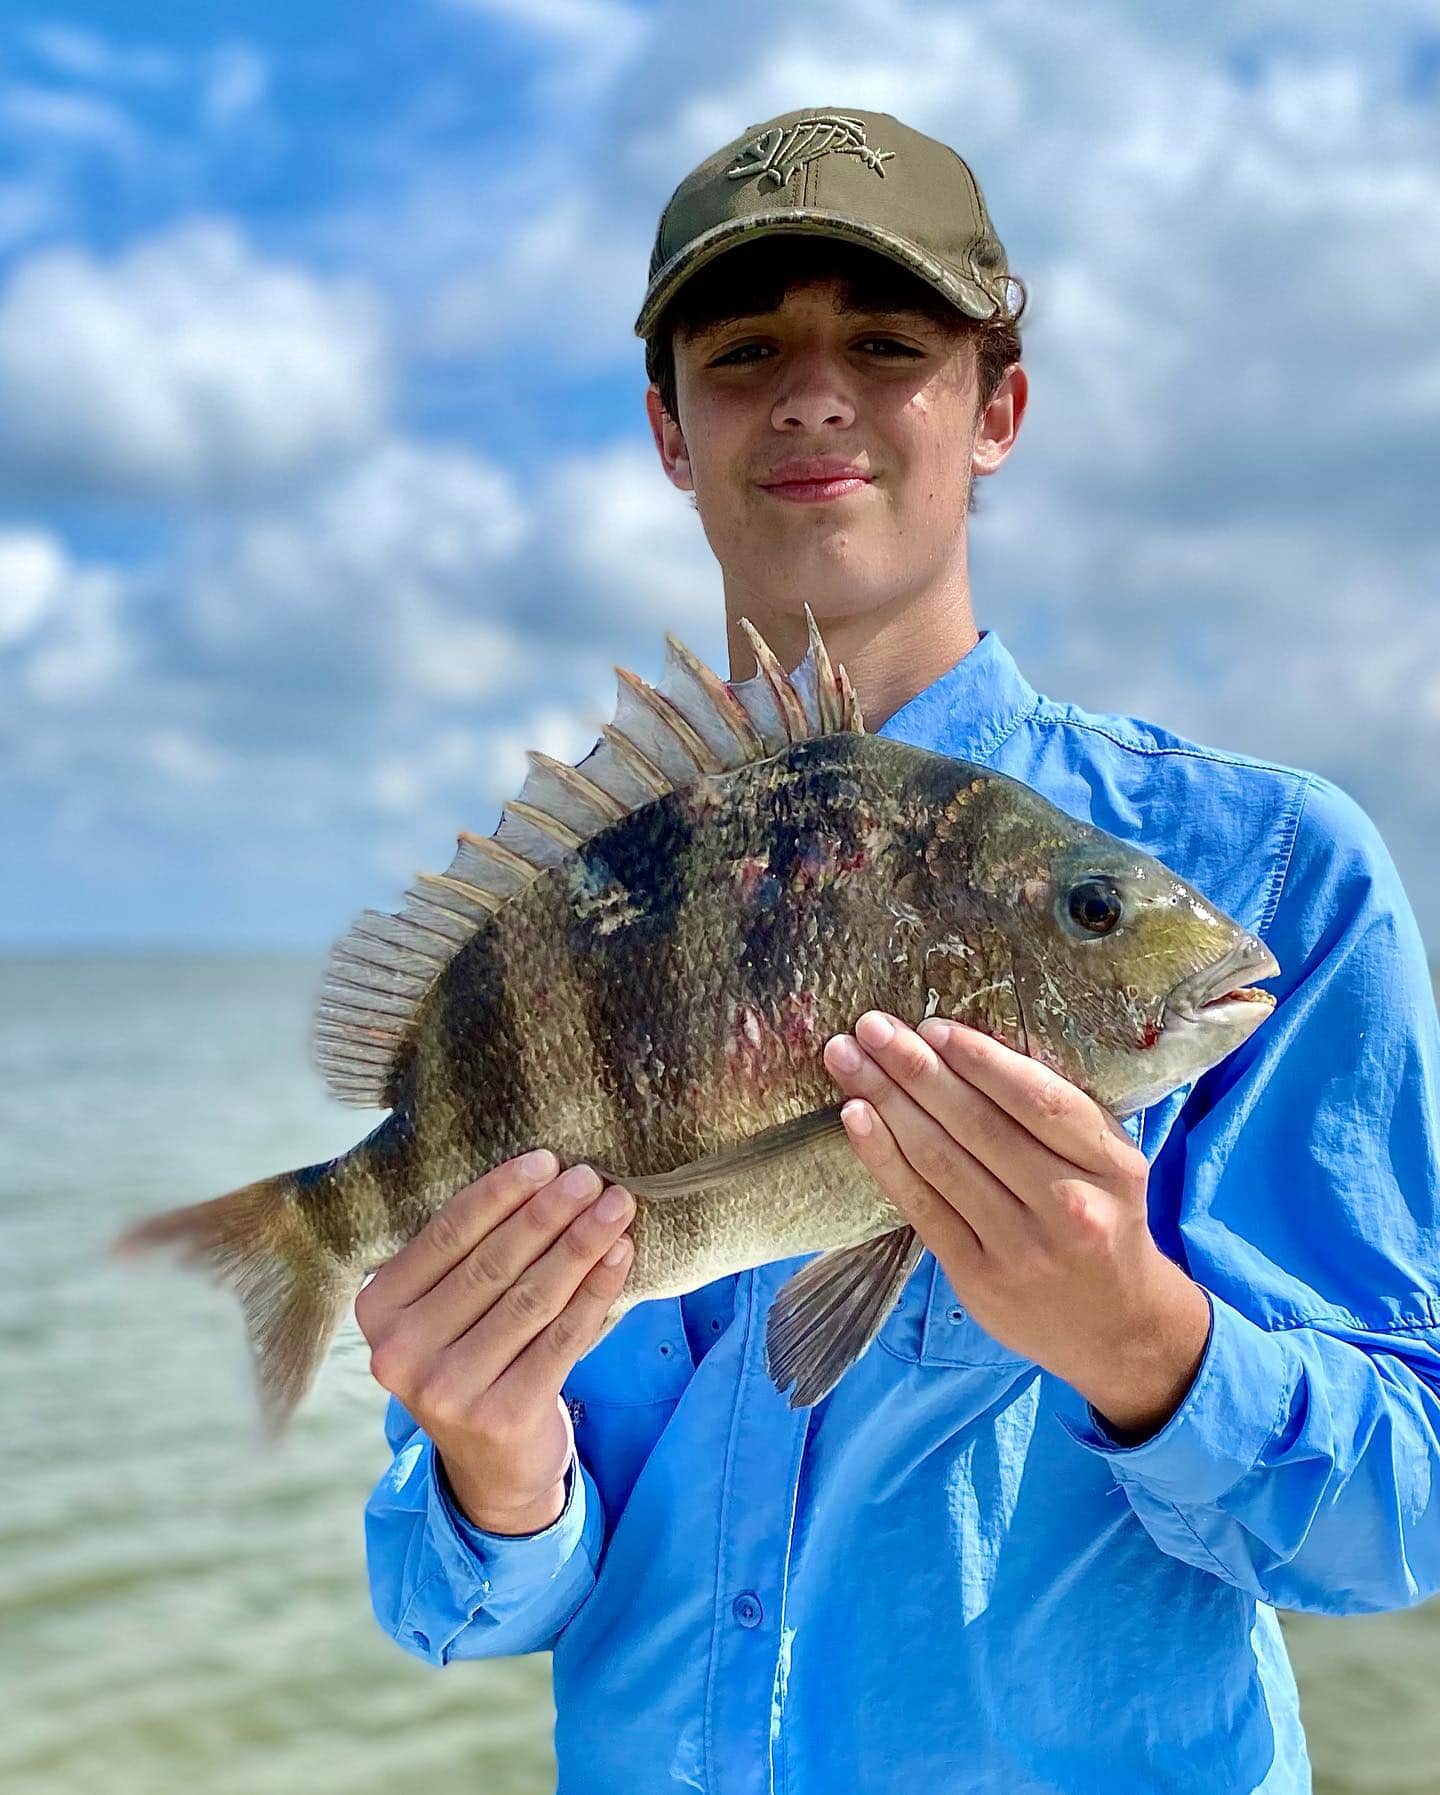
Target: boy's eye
[
  {"x": 747, "y": 352},
  {"x": 743, "y": 352}
]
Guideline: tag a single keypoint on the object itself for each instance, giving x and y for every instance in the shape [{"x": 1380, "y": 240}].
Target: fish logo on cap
[{"x": 777, "y": 153}]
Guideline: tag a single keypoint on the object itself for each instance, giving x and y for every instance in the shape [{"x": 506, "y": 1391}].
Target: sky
[{"x": 325, "y": 484}]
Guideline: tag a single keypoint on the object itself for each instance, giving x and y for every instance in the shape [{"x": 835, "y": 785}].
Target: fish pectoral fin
[
  {"x": 748, "y": 1156},
  {"x": 825, "y": 1316}
]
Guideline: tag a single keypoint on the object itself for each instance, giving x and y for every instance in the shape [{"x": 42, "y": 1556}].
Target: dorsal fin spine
[
  {"x": 827, "y": 692},
  {"x": 792, "y": 711},
  {"x": 723, "y": 702},
  {"x": 487, "y": 844},
  {"x": 484, "y": 900},
  {"x": 546, "y": 823},
  {"x": 637, "y": 760},
  {"x": 400, "y": 938},
  {"x": 594, "y": 795},
  {"x": 705, "y": 761}
]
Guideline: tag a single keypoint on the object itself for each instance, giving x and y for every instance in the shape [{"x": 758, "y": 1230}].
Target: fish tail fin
[{"x": 292, "y": 1291}]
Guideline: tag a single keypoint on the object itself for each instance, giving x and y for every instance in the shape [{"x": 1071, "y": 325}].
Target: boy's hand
[
  {"x": 476, "y": 1323},
  {"x": 1032, "y": 1198}
]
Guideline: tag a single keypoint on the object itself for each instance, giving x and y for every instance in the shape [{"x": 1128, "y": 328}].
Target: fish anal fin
[{"x": 824, "y": 1317}]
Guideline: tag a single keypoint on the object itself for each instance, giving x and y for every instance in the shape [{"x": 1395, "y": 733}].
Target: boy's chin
[{"x": 833, "y": 574}]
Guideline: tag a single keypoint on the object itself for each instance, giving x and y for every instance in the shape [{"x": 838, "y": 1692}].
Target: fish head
[{"x": 1111, "y": 968}]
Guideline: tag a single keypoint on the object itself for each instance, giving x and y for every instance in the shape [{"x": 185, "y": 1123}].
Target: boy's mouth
[{"x": 813, "y": 479}]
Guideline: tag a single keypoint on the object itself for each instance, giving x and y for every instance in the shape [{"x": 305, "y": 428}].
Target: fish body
[{"x": 640, "y": 971}]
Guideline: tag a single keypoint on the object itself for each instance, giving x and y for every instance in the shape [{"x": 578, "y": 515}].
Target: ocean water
[{"x": 182, "y": 1609}]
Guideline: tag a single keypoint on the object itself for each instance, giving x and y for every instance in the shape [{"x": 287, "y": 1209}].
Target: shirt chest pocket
[
  {"x": 644, "y": 1359},
  {"x": 624, "y": 1391},
  {"x": 930, "y": 1326}
]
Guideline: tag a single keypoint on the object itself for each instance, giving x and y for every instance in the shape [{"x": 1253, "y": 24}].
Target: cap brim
[{"x": 966, "y": 295}]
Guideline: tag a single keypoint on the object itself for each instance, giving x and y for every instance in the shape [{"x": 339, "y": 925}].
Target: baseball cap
[{"x": 861, "y": 177}]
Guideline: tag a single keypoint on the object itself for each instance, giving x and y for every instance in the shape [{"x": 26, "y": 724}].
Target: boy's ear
[{"x": 669, "y": 442}]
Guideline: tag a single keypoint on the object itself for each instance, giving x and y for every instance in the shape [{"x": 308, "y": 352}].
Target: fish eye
[{"x": 1094, "y": 905}]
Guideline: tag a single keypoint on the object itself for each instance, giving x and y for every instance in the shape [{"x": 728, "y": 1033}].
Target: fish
[{"x": 639, "y": 970}]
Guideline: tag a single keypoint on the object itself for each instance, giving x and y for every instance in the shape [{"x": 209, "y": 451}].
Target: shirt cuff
[
  {"x": 503, "y": 1571},
  {"x": 1229, "y": 1416}
]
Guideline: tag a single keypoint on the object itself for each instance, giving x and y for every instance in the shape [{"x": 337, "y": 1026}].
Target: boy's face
[{"x": 831, "y": 452}]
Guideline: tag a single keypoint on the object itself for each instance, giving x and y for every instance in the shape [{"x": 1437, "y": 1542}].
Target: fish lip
[{"x": 1225, "y": 978}]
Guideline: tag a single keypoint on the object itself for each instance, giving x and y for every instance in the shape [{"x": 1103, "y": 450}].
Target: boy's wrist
[
  {"x": 478, "y": 1506},
  {"x": 1144, "y": 1381}
]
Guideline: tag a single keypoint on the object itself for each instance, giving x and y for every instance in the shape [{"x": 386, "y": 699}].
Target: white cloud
[
  {"x": 571, "y": 257},
  {"x": 61, "y": 644},
  {"x": 586, "y": 20},
  {"x": 589, "y": 43},
  {"x": 182, "y": 756},
  {"x": 32, "y": 573},
  {"x": 188, "y": 367},
  {"x": 29, "y": 111},
  {"x": 388, "y": 583},
  {"x": 628, "y": 547},
  {"x": 86, "y": 56},
  {"x": 236, "y": 81}
]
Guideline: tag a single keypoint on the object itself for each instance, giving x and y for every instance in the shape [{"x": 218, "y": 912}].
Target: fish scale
[{"x": 640, "y": 968}]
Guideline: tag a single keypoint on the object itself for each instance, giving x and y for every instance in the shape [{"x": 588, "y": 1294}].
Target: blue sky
[{"x": 325, "y": 488}]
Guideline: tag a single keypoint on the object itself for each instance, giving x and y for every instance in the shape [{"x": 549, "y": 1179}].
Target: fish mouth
[{"x": 1218, "y": 993}]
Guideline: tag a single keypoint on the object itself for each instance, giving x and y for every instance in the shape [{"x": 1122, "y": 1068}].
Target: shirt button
[
  {"x": 957, "y": 1315},
  {"x": 666, "y": 1349},
  {"x": 747, "y": 1609}
]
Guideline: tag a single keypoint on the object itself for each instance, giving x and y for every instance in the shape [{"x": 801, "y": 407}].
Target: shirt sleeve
[
  {"x": 1304, "y": 1463},
  {"x": 444, "y": 1589}
]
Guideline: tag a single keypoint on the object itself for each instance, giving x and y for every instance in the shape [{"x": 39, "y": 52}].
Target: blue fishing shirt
[{"x": 947, "y": 1576}]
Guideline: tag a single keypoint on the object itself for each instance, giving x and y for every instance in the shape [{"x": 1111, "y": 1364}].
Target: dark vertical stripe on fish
[
  {"x": 321, "y": 1206},
  {"x": 797, "y": 900},
  {"x": 394, "y": 1165},
  {"x": 478, "y": 1069},
  {"x": 630, "y": 885}
]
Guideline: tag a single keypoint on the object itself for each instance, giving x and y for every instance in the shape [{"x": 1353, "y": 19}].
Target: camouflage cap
[{"x": 862, "y": 177}]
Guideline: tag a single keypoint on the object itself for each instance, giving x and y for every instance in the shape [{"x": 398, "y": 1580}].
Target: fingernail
[
  {"x": 612, "y": 1205},
  {"x": 613, "y": 1255},
  {"x": 580, "y": 1182},
  {"x": 540, "y": 1164},
  {"x": 856, "y": 1117},
  {"x": 845, "y": 1056},
  {"x": 874, "y": 1029}
]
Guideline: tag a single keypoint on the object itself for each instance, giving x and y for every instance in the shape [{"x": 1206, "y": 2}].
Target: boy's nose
[{"x": 812, "y": 397}]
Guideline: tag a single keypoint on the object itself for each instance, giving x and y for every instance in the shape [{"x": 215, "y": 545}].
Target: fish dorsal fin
[{"x": 692, "y": 724}]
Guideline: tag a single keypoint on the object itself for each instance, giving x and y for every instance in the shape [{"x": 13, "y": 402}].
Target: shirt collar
[{"x": 968, "y": 711}]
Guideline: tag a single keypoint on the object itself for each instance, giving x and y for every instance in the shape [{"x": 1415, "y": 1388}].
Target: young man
[{"x": 1148, "y": 1384}]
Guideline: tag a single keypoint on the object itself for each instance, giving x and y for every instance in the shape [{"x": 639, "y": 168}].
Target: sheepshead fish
[{"x": 639, "y": 970}]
